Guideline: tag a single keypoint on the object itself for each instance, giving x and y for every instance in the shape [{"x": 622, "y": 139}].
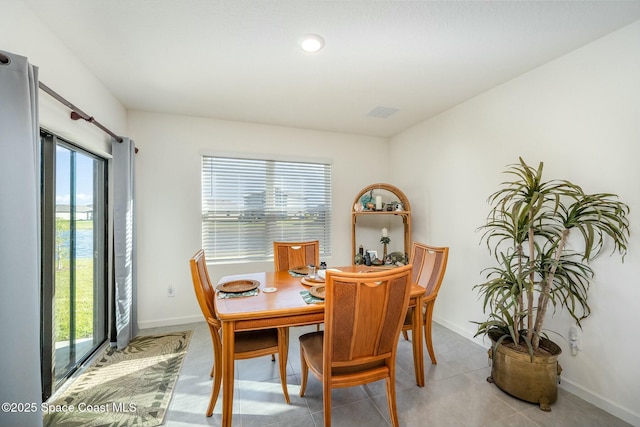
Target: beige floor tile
[{"x": 456, "y": 392}]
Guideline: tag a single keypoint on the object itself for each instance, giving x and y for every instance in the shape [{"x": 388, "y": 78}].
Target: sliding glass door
[{"x": 74, "y": 258}]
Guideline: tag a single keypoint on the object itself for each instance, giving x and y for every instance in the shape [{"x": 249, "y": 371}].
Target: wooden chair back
[
  {"x": 429, "y": 266},
  {"x": 288, "y": 255},
  {"x": 363, "y": 316},
  {"x": 205, "y": 293}
]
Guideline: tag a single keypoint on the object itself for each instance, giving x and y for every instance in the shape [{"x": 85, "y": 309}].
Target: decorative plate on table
[
  {"x": 237, "y": 286},
  {"x": 318, "y": 291},
  {"x": 308, "y": 281},
  {"x": 300, "y": 270}
]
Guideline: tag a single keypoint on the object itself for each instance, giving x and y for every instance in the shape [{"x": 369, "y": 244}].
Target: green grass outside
[
  {"x": 84, "y": 291},
  {"x": 84, "y": 300}
]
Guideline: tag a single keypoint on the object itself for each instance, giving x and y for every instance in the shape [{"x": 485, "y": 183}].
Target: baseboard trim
[
  {"x": 462, "y": 332},
  {"x": 601, "y": 402},
  {"x": 146, "y": 324}
]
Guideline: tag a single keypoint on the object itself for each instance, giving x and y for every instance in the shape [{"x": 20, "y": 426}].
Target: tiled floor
[{"x": 456, "y": 392}]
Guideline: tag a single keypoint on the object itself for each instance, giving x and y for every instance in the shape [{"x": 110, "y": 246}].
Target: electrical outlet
[
  {"x": 574, "y": 340},
  {"x": 171, "y": 292}
]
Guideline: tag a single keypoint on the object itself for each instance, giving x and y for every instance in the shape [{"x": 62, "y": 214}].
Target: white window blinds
[{"x": 248, "y": 204}]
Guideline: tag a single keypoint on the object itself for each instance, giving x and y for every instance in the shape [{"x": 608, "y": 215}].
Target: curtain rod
[{"x": 77, "y": 113}]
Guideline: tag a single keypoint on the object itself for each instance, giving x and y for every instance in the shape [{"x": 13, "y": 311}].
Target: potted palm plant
[{"x": 543, "y": 235}]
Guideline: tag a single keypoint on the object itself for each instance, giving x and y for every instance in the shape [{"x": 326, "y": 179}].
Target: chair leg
[
  {"x": 304, "y": 372},
  {"x": 427, "y": 332},
  {"x": 215, "y": 391},
  {"x": 215, "y": 355},
  {"x": 326, "y": 400},
  {"x": 391, "y": 400},
  {"x": 216, "y": 373},
  {"x": 406, "y": 327},
  {"x": 283, "y": 352},
  {"x": 273, "y": 357}
]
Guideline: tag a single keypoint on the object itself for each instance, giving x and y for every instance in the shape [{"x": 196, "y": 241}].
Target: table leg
[
  {"x": 228, "y": 350},
  {"x": 283, "y": 350},
  {"x": 416, "y": 338}
]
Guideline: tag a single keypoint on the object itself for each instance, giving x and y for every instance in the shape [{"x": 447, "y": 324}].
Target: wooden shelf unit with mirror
[{"x": 387, "y": 193}]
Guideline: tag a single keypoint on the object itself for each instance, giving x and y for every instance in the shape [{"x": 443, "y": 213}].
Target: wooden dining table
[{"x": 285, "y": 307}]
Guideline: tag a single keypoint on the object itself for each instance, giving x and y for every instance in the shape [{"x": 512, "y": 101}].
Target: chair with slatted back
[
  {"x": 363, "y": 316},
  {"x": 289, "y": 255},
  {"x": 248, "y": 344},
  {"x": 429, "y": 266}
]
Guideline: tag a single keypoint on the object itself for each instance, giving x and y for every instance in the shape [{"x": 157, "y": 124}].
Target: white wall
[
  {"x": 579, "y": 114},
  {"x": 168, "y": 194},
  {"x": 24, "y": 34}
]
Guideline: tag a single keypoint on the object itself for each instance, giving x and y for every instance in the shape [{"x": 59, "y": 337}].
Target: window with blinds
[{"x": 248, "y": 204}]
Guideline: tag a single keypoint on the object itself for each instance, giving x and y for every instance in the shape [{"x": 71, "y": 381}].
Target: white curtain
[
  {"x": 125, "y": 319},
  {"x": 20, "y": 380}
]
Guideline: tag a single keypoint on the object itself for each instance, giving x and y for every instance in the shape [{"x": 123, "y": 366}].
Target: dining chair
[
  {"x": 288, "y": 255},
  {"x": 363, "y": 316},
  {"x": 248, "y": 344},
  {"x": 429, "y": 266}
]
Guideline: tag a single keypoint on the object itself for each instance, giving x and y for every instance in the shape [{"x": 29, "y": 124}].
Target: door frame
[{"x": 49, "y": 143}]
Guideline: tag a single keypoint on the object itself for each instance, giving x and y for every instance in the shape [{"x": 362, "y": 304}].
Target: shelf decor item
[
  {"x": 368, "y": 202},
  {"x": 543, "y": 235},
  {"x": 385, "y": 241},
  {"x": 378, "y": 203}
]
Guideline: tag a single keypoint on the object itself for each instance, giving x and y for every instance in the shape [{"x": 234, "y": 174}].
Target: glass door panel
[
  {"x": 64, "y": 337},
  {"x": 74, "y": 281}
]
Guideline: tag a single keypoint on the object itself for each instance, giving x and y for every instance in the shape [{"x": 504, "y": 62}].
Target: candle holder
[{"x": 385, "y": 241}]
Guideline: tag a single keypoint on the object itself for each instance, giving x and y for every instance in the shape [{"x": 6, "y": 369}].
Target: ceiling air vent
[{"x": 382, "y": 112}]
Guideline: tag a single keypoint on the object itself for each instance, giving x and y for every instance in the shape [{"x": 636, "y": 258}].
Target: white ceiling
[{"x": 239, "y": 59}]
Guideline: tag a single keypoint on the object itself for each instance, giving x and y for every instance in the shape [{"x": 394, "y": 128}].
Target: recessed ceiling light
[{"x": 311, "y": 43}]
